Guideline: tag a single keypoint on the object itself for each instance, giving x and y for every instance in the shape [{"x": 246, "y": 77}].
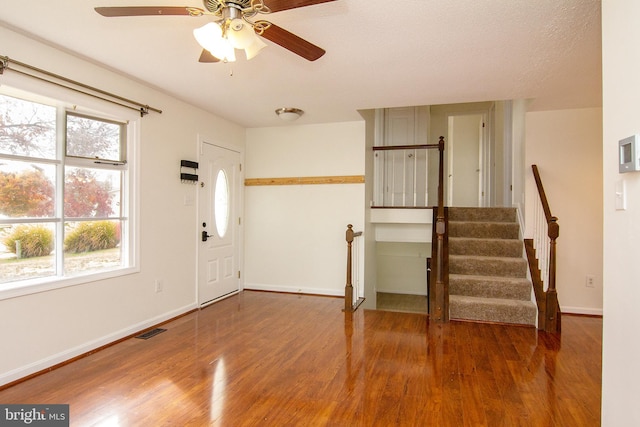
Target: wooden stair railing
[
  {"x": 439, "y": 283},
  {"x": 549, "y": 314},
  {"x": 349, "y": 304},
  {"x": 439, "y": 275}
]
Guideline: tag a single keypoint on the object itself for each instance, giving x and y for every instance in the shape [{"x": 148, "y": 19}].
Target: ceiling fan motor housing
[{"x": 214, "y": 6}]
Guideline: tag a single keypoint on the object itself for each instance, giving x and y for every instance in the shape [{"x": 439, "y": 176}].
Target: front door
[{"x": 218, "y": 223}]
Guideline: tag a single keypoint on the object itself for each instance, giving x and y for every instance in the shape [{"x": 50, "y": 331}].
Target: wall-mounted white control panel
[{"x": 628, "y": 154}]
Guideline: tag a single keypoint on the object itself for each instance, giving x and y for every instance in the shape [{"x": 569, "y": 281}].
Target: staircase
[{"x": 487, "y": 270}]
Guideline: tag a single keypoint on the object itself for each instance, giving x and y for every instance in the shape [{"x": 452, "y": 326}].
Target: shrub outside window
[{"x": 63, "y": 193}]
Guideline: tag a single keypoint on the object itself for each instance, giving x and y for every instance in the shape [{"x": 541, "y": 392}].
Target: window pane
[
  {"x": 221, "y": 201},
  {"x": 27, "y": 189},
  {"x": 92, "y": 246},
  {"x": 27, "y": 128},
  {"x": 26, "y": 251},
  {"x": 92, "y": 138},
  {"x": 92, "y": 192}
]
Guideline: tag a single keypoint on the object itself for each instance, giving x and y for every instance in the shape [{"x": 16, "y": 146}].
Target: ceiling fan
[{"x": 234, "y": 26}]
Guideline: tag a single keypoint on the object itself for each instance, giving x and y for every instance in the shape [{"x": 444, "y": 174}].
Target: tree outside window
[{"x": 59, "y": 209}]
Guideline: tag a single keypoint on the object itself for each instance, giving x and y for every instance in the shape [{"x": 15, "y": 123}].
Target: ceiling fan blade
[
  {"x": 147, "y": 11},
  {"x": 207, "y": 57},
  {"x": 278, "y": 5},
  {"x": 293, "y": 43}
]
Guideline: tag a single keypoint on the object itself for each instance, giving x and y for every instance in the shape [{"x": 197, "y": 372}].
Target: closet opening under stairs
[{"x": 487, "y": 271}]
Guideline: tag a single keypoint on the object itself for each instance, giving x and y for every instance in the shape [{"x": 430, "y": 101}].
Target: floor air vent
[{"x": 151, "y": 333}]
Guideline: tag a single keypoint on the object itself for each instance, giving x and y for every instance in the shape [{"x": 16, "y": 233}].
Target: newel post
[
  {"x": 348, "y": 289},
  {"x": 441, "y": 298},
  {"x": 551, "y": 324}
]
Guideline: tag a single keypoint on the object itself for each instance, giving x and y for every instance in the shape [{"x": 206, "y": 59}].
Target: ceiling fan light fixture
[
  {"x": 289, "y": 114},
  {"x": 254, "y": 48},
  {"x": 240, "y": 34},
  {"x": 207, "y": 35},
  {"x": 210, "y": 38}
]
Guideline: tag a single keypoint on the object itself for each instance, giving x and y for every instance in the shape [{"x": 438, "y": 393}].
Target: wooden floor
[{"x": 267, "y": 359}]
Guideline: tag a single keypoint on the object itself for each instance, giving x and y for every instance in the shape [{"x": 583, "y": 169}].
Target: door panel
[
  {"x": 218, "y": 219},
  {"x": 465, "y": 160}
]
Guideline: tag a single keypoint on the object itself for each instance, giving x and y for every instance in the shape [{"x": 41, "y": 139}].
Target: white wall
[
  {"x": 370, "y": 270},
  {"x": 402, "y": 267},
  {"x": 567, "y": 147},
  {"x": 518, "y": 165},
  {"x": 295, "y": 234},
  {"x": 621, "y": 118},
  {"x": 43, "y": 329}
]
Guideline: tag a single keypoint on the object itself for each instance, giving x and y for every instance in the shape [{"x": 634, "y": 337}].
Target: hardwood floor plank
[{"x": 261, "y": 358}]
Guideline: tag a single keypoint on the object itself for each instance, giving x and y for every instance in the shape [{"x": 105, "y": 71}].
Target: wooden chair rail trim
[{"x": 306, "y": 180}]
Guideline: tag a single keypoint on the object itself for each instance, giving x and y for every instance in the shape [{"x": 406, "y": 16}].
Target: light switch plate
[{"x": 621, "y": 196}]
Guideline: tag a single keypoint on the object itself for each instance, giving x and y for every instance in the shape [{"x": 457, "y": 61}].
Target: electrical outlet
[
  {"x": 590, "y": 282},
  {"x": 159, "y": 285}
]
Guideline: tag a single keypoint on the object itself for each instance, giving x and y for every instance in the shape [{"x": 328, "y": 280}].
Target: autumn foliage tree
[
  {"x": 31, "y": 194},
  {"x": 26, "y": 194},
  {"x": 85, "y": 196}
]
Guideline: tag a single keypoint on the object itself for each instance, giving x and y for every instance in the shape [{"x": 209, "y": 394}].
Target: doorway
[
  {"x": 218, "y": 201},
  {"x": 464, "y": 160}
]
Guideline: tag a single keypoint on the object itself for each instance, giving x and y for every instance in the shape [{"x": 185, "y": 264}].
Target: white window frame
[{"x": 67, "y": 101}]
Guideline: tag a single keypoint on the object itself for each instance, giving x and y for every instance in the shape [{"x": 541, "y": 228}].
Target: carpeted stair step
[
  {"x": 485, "y": 247},
  {"x": 487, "y": 271},
  {"x": 492, "y": 310},
  {"x": 490, "y": 287},
  {"x": 487, "y": 266},
  {"x": 484, "y": 230},
  {"x": 482, "y": 214}
]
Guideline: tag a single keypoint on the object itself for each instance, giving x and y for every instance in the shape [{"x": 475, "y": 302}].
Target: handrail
[
  {"x": 439, "y": 294},
  {"x": 401, "y": 175},
  {"x": 404, "y": 147},
  {"x": 349, "y": 304},
  {"x": 549, "y": 317},
  {"x": 543, "y": 195}
]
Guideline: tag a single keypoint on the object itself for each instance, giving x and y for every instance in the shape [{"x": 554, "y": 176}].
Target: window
[
  {"x": 221, "y": 197},
  {"x": 64, "y": 199}
]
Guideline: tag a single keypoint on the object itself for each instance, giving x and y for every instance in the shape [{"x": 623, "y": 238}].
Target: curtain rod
[{"x": 143, "y": 109}]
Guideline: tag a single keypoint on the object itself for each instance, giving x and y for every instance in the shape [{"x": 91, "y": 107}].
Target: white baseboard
[
  {"x": 581, "y": 310},
  {"x": 293, "y": 289},
  {"x": 40, "y": 365}
]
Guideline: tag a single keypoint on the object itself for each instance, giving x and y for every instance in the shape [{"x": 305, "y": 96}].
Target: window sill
[{"x": 28, "y": 287}]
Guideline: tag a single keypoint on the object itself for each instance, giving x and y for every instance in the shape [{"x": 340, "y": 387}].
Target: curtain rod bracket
[
  {"x": 4, "y": 63},
  {"x": 144, "y": 111}
]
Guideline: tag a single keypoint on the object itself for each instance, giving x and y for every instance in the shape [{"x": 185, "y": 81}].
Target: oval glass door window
[{"x": 221, "y": 203}]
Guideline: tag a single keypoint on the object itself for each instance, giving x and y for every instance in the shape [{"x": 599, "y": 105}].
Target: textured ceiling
[{"x": 380, "y": 53}]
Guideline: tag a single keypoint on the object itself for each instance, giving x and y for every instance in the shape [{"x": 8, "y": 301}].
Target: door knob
[{"x": 205, "y": 236}]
